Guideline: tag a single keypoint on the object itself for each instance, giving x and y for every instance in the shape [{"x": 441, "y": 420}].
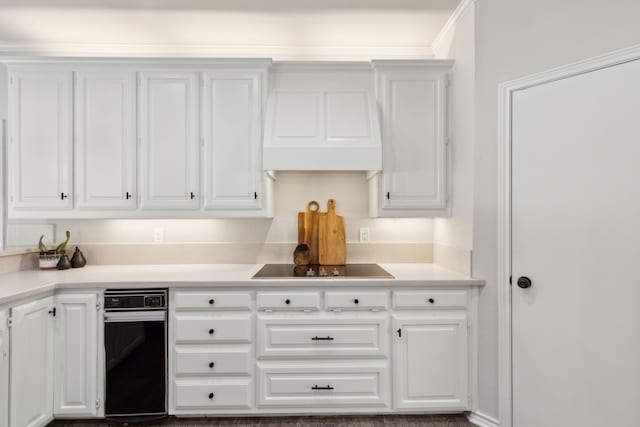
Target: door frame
[{"x": 506, "y": 91}]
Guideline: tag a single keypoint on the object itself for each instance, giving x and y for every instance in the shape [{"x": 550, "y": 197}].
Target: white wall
[
  {"x": 515, "y": 38},
  {"x": 459, "y": 43},
  {"x": 292, "y": 192}
]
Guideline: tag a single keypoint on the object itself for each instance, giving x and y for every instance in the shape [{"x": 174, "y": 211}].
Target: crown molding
[
  {"x": 278, "y": 53},
  {"x": 450, "y": 26}
]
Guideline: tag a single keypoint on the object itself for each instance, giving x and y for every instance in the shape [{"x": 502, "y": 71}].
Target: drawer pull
[
  {"x": 316, "y": 338},
  {"x": 211, "y": 331},
  {"x": 211, "y": 364},
  {"x": 287, "y": 301},
  {"x": 212, "y": 301},
  {"x": 315, "y": 387},
  {"x": 356, "y": 301},
  {"x": 211, "y": 395},
  {"x": 431, "y": 300}
]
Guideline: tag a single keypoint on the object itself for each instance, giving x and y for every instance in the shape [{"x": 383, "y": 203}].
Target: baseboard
[{"x": 482, "y": 420}]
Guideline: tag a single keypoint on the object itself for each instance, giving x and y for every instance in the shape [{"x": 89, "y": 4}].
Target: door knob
[{"x": 524, "y": 282}]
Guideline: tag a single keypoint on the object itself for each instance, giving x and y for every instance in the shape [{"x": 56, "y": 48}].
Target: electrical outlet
[
  {"x": 158, "y": 235},
  {"x": 364, "y": 234}
]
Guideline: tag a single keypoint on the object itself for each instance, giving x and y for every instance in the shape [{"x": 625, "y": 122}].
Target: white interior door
[{"x": 576, "y": 228}]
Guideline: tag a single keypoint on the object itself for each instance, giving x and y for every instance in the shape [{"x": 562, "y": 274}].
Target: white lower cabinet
[
  {"x": 76, "y": 356},
  {"x": 4, "y": 369},
  {"x": 336, "y": 350},
  {"x": 31, "y": 353},
  {"x": 302, "y": 385},
  {"x": 431, "y": 361}
]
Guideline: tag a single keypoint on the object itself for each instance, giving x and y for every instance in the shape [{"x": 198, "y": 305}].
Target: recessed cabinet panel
[
  {"x": 232, "y": 126},
  {"x": 208, "y": 300},
  {"x": 76, "y": 360},
  {"x": 323, "y": 336},
  {"x": 209, "y": 328},
  {"x": 431, "y": 362},
  {"x": 106, "y": 140},
  {"x": 32, "y": 346},
  {"x": 40, "y": 140},
  {"x": 298, "y": 117},
  {"x": 210, "y": 360},
  {"x": 355, "y": 384},
  {"x": 170, "y": 140},
  {"x": 347, "y": 117},
  {"x": 211, "y": 395}
]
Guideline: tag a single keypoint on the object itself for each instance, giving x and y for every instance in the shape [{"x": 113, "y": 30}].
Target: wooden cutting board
[
  {"x": 332, "y": 245},
  {"x": 308, "y": 229}
]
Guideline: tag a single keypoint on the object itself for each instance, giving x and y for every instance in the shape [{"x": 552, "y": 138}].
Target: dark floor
[{"x": 317, "y": 421}]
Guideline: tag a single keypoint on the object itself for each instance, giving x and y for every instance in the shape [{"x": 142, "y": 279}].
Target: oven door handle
[{"x": 134, "y": 316}]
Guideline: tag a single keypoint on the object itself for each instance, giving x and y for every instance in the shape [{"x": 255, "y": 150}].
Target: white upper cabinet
[
  {"x": 232, "y": 133},
  {"x": 40, "y": 139},
  {"x": 170, "y": 150},
  {"x": 31, "y": 376},
  {"x": 105, "y": 139},
  {"x": 412, "y": 96}
]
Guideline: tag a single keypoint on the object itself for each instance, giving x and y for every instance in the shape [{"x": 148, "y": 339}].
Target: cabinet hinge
[
  {"x": 9, "y": 322},
  {"x": 97, "y": 404},
  {"x": 98, "y": 305}
]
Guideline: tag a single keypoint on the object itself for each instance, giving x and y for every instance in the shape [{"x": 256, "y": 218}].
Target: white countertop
[{"x": 24, "y": 284}]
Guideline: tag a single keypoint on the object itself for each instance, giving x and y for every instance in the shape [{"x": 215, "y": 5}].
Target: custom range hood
[{"x": 322, "y": 117}]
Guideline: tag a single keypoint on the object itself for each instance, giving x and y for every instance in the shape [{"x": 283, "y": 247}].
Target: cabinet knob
[
  {"x": 211, "y": 364},
  {"x": 211, "y": 395},
  {"x": 287, "y": 301},
  {"x": 212, "y": 301},
  {"x": 431, "y": 300},
  {"x": 211, "y": 331},
  {"x": 356, "y": 301},
  {"x": 524, "y": 282}
]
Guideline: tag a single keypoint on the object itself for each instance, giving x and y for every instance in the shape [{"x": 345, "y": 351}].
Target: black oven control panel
[{"x": 135, "y": 299}]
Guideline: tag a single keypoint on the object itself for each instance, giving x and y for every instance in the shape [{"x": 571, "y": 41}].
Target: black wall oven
[{"x": 135, "y": 327}]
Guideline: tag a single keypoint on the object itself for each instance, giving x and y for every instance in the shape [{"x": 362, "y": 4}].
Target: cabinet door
[
  {"x": 105, "y": 139},
  {"x": 4, "y": 370},
  {"x": 76, "y": 356},
  {"x": 431, "y": 362},
  {"x": 40, "y": 139},
  {"x": 232, "y": 127},
  {"x": 414, "y": 139},
  {"x": 31, "y": 384},
  {"x": 170, "y": 140}
]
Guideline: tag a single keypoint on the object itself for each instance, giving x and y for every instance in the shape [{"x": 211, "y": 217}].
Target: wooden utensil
[
  {"x": 332, "y": 245},
  {"x": 301, "y": 255},
  {"x": 308, "y": 229}
]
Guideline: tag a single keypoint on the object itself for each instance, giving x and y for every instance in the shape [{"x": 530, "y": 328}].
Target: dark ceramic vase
[
  {"x": 78, "y": 260},
  {"x": 64, "y": 263}
]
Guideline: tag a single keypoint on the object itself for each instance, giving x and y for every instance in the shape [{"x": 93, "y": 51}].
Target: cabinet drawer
[
  {"x": 323, "y": 336},
  {"x": 213, "y": 394},
  {"x": 429, "y": 299},
  {"x": 356, "y": 300},
  {"x": 355, "y": 384},
  {"x": 211, "y": 361},
  {"x": 212, "y": 300},
  {"x": 289, "y": 301},
  {"x": 211, "y": 329}
]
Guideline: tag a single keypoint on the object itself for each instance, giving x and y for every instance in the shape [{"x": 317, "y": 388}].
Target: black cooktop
[{"x": 353, "y": 271}]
